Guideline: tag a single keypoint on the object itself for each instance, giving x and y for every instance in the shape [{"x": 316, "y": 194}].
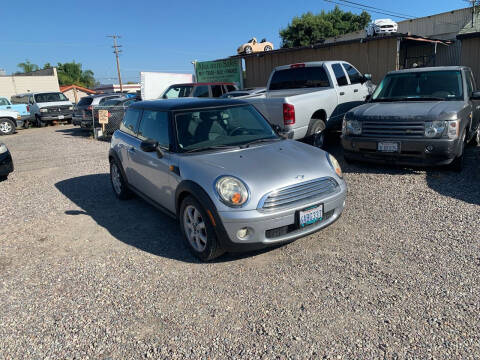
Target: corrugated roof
[{"x": 471, "y": 29}]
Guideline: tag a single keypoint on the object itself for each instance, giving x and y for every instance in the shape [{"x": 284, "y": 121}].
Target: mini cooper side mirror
[{"x": 149, "y": 145}]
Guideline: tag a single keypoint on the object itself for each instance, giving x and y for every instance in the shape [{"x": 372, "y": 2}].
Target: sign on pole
[{"x": 229, "y": 70}]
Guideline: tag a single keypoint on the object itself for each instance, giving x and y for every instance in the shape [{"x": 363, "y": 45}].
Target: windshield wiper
[
  {"x": 259, "y": 141},
  {"x": 213, "y": 147}
]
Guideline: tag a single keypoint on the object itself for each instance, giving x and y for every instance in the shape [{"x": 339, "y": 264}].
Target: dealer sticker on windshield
[
  {"x": 311, "y": 215},
  {"x": 388, "y": 146}
]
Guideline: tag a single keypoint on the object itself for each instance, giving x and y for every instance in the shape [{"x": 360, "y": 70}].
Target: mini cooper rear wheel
[
  {"x": 7, "y": 127},
  {"x": 198, "y": 230},
  {"x": 119, "y": 184}
]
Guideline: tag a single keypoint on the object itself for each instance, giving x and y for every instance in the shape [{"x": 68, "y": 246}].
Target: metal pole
[
  {"x": 93, "y": 123},
  {"x": 116, "y": 51}
]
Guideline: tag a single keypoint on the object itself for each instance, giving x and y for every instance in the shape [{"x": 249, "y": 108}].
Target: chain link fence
[{"x": 103, "y": 120}]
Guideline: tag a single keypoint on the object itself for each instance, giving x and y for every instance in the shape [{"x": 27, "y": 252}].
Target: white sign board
[{"x": 154, "y": 84}]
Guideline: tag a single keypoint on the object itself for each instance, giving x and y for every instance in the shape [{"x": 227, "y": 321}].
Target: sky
[{"x": 158, "y": 35}]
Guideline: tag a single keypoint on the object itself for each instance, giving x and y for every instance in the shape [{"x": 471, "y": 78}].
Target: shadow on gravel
[
  {"x": 76, "y": 131},
  {"x": 134, "y": 222},
  {"x": 463, "y": 186}
]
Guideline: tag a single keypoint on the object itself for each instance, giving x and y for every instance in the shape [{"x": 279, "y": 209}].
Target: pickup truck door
[
  {"x": 344, "y": 94},
  {"x": 358, "y": 91}
]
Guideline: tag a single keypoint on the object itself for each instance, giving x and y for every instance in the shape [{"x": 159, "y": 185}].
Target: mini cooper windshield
[
  {"x": 222, "y": 127},
  {"x": 420, "y": 86}
]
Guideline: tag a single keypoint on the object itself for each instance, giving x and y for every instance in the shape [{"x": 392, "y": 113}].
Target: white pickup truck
[{"x": 307, "y": 98}]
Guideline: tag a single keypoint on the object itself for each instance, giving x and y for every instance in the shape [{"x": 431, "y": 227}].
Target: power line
[
  {"x": 373, "y": 11},
  {"x": 116, "y": 51},
  {"x": 375, "y": 8}
]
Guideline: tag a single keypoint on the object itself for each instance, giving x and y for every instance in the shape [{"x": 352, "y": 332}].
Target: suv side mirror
[
  {"x": 368, "y": 97},
  {"x": 149, "y": 145},
  {"x": 475, "y": 95},
  {"x": 367, "y": 77}
]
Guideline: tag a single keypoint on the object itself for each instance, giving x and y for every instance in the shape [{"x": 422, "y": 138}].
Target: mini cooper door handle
[
  {"x": 342, "y": 93},
  {"x": 356, "y": 90}
]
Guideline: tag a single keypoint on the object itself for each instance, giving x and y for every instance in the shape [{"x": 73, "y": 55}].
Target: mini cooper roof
[{"x": 185, "y": 103}]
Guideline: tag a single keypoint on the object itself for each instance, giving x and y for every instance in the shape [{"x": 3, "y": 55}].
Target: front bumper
[
  {"x": 6, "y": 164},
  {"x": 56, "y": 117},
  {"x": 411, "y": 151},
  {"x": 271, "y": 228}
]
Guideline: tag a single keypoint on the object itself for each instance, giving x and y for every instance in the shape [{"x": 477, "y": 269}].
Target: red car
[{"x": 208, "y": 90}]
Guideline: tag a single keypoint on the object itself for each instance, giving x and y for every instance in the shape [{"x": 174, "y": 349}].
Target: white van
[{"x": 46, "y": 107}]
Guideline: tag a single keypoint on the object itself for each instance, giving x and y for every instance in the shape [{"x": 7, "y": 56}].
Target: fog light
[
  {"x": 243, "y": 234},
  {"x": 429, "y": 148}
]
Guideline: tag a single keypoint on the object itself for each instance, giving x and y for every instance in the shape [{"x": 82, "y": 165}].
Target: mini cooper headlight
[
  {"x": 232, "y": 191},
  {"x": 335, "y": 165}
]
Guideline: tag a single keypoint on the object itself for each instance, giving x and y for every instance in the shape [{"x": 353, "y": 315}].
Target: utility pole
[{"x": 116, "y": 51}]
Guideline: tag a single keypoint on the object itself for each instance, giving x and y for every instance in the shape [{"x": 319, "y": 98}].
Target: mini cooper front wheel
[
  {"x": 119, "y": 184},
  {"x": 198, "y": 230}
]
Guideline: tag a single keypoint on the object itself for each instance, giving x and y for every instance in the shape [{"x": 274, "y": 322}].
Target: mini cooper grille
[
  {"x": 393, "y": 128},
  {"x": 290, "y": 195}
]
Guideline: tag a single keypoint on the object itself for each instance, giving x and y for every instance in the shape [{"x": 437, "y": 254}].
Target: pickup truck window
[
  {"x": 201, "y": 91},
  {"x": 174, "y": 92},
  {"x": 340, "y": 75},
  {"x": 299, "y": 78},
  {"x": 217, "y": 90},
  {"x": 353, "y": 74},
  {"x": 3, "y": 102},
  {"x": 19, "y": 100},
  {"x": 424, "y": 85}
]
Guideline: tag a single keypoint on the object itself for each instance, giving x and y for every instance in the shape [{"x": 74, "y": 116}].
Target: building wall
[
  {"x": 471, "y": 55},
  {"x": 13, "y": 84},
  {"x": 375, "y": 57}
]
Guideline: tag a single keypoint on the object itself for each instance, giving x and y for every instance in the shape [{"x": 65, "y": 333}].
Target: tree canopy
[
  {"x": 310, "y": 28},
  {"x": 27, "y": 66}
]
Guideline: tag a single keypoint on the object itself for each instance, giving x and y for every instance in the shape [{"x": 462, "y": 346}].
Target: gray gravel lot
[{"x": 83, "y": 275}]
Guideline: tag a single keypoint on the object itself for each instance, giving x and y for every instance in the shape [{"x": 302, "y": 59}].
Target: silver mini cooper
[{"x": 220, "y": 168}]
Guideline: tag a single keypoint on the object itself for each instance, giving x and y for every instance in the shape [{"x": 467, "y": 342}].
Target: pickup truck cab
[
  {"x": 307, "y": 98},
  {"x": 46, "y": 107},
  {"x": 8, "y": 121},
  {"x": 422, "y": 116},
  {"x": 22, "y": 109}
]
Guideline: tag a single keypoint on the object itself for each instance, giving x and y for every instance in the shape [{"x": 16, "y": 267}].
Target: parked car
[
  {"x": 116, "y": 109},
  {"x": 82, "y": 113},
  {"x": 306, "y": 99},
  {"x": 254, "y": 46},
  {"x": 422, "y": 116},
  {"x": 46, "y": 107},
  {"x": 207, "y": 90},
  {"x": 210, "y": 163},
  {"x": 8, "y": 121},
  {"x": 381, "y": 26},
  {"x": 244, "y": 92},
  {"x": 6, "y": 162},
  {"x": 22, "y": 109}
]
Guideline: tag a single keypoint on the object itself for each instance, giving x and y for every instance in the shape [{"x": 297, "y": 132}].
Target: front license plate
[
  {"x": 388, "y": 146},
  {"x": 61, "y": 117},
  {"x": 310, "y": 215}
]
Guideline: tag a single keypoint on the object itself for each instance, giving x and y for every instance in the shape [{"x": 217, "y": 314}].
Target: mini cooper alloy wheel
[{"x": 195, "y": 228}]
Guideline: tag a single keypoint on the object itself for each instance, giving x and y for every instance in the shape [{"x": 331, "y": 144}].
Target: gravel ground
[{"x": 85, "y": 276}]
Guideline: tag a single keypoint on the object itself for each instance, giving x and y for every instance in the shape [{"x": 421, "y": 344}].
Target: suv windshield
[
  {"x": 424, "y": 85},
  {"x": 50, "y": 97},
  {"x": 221, "y": 127},
  {"x": 174, "y": 92}
]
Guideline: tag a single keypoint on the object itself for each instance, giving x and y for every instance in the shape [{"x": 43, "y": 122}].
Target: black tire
[
  {"x": 7, "y": 126},
  {"x": 39, "y": 122},
  {"x": 212, "y": 248},
  {"x": 316, "y": 132},
  {"x": 3, "y": 177},
  {"x": 475, "y": 141},
  {"x": 120, "y": 189},
  {"x": 457, "y": 164},
  {"x": 347, "y": 159},
  {"x": 267, "y": 48},
  {"x": 248, "y": 50}
]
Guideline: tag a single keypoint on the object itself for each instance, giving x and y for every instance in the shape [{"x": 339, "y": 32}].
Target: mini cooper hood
[
  {"x": 264, "y": 168},
  {"x": 408, "y": 110}
]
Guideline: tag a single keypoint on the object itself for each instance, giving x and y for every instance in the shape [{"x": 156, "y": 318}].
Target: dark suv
[
  {"x": 82, "y": 113},
  {"x": 422, "y": 116}
]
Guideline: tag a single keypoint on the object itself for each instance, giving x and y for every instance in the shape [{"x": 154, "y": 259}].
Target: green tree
[
  {"x": 310, "y": 28},
  {"x": 72, "y": 73},
  {"x": 27, "y": 66},
  {"x": 47, "y": 66}
]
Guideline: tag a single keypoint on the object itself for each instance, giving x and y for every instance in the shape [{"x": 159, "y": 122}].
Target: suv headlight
[
  {"x": 232, "y": 191},
  {"x": 43, "y": 110},
  {"x": 3, "y": 148},
  {"x": 335, "y": 165},
  {"x": 435, "y": 129},
  {"x": 351, "y": 127},
  {"x": 70, "y": 108}
]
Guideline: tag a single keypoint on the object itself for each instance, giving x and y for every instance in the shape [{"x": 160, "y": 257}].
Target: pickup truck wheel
[
  {"x": 7, "y": 126},
  {"x": 39, "y": 122},
  {"x": 316, "y": 132},
  {"x": 198, "y": 230},
  {"x": 119, "y": 184}
]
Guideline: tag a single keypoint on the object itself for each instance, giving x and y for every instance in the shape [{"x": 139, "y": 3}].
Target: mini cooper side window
[
  {"x": 154, "y": 126},
  {"x": 130, "y": 121}
]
